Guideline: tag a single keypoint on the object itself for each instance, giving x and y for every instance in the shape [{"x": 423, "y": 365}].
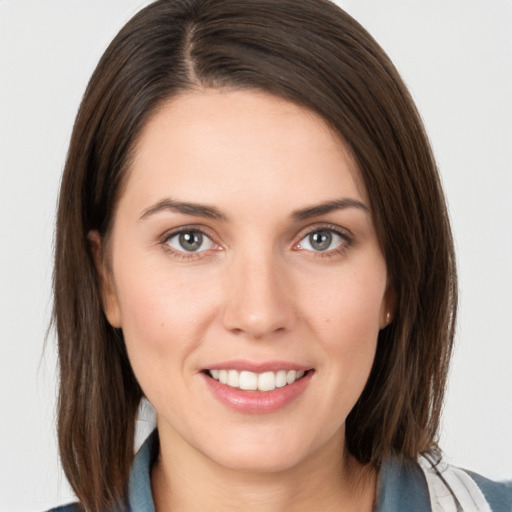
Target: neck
[{"x": 187, "y": 481}]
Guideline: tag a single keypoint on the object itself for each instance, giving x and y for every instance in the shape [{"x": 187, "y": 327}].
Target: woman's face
[{"x": 243, "y": 254}]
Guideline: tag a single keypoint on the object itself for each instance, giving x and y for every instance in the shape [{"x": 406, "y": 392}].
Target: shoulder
[
  {"x": 430, "y": 484},
  {"x": 139, "y": 495},
  {"x": 402, "y": 487},
  {"x": 498, "y": 494},
  {"x": 451, "y": 486},
  {"x": 72, "y": 507}
]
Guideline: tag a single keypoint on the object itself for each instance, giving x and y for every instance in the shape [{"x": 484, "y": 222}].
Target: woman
[{"x": 252, "y": 235}]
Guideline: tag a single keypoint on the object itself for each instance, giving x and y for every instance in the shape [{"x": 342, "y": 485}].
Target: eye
[
  {"x": 190, "y": 240},
  {"x": 322, "y": 240}
]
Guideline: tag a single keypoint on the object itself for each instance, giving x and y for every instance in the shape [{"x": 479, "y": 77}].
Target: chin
[
  {"x": 259, "y": 460},
  {"x": 271, "y": 451}
]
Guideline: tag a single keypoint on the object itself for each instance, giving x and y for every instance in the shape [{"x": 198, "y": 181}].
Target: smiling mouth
[{"x": 251, "y": 381}]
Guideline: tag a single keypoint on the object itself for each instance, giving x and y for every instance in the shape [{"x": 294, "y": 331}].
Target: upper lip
[{"x": 257, "y": 366}]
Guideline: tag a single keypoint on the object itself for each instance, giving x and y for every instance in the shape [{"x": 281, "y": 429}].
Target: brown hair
[{"x": 311, "y": 53}]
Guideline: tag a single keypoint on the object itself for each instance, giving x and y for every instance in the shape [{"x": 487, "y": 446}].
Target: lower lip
[{"x": 258, "y": 402}]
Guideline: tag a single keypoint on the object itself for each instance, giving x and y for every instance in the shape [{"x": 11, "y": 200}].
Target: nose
[{"x": 259, "y": 298}]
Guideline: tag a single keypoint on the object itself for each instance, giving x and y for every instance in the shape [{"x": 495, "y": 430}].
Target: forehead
[{"x": 245, "y": 141}]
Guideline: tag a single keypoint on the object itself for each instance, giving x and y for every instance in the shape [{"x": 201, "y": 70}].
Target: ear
[
  {"x": 105, "y": 280},
  {"x": 387, "y": 312}
]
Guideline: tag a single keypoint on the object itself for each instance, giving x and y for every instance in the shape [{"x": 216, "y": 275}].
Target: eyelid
[
  {"x": 343, "y": 232},
  {"x": 188, "y": 227},
  {"x": 203, "y": 239}
]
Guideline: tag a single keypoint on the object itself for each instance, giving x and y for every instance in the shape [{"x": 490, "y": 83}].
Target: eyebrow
[
  {"x": 327, "y": 207},
  {"x": 210, "y": 212},
  {"x": 198, "y": 210}
]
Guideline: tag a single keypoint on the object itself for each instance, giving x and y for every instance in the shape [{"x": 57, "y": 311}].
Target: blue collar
[{"x": 140, "y": 498}]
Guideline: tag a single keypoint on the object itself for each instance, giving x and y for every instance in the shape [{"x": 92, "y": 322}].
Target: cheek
[
  {"x": 346, "y": 316},
  {"x": 164, "y": 315},
  {"x": 349, "y": 306}
]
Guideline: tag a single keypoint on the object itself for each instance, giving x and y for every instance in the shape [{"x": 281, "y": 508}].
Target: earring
[{"x": 388, "y": 318}]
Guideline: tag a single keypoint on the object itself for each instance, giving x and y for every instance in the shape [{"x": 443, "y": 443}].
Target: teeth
[
  {"x": 281, "y": 379},
  {"x": 291, "y": 376},
  {"x": 248, "y": 380},
  {"x": 233, "y": 378},
  {"x": 267, "y": 381}
]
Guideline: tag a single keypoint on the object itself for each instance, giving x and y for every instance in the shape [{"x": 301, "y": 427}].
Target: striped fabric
[{"x": 451, "y": 489}]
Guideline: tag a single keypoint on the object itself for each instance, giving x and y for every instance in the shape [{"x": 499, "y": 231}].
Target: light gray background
[{"x": 455, "y": 55}]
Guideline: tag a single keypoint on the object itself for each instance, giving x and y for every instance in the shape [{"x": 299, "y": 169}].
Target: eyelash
[
  {"x": 186, "y": 255},
  {"x": 346, "y": 242}
]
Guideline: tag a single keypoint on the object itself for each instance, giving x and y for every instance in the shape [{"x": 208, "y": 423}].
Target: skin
[{"x": 256, "y": 290}]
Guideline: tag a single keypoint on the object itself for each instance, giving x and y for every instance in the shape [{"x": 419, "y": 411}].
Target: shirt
[{"x": 403, "y": 486}]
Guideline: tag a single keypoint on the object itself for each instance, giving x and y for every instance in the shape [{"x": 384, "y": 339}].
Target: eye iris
[
  {"x": 191, "y": 240},
  {"x": 320, "y": 240}
]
